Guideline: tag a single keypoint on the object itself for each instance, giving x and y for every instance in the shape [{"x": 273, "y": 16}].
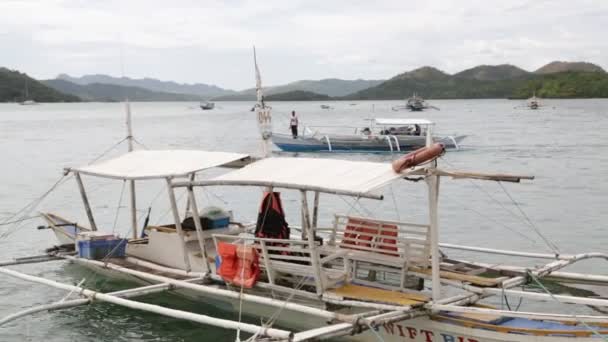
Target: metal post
[
  {"x": 85, "y": 200},
  {"x": 178, "y": 224},
  {"x": 199, "y": 227},
  {"x": 133, "y": 199},
  {"x": 433, "y": 186}
]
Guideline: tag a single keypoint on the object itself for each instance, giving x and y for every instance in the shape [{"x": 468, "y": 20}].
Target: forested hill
[
  {"x": 569, "y": 84},
  {"x": 12, "y": 89},
  {"x": 297, "y": 95},
  {"x": 501, "y": 81}
]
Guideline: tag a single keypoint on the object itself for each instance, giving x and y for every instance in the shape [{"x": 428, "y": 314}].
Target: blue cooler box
[{"x": 100, "y": 249}]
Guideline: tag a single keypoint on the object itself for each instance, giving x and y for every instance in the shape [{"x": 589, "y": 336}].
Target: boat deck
[{"x": 366, "y": 293}]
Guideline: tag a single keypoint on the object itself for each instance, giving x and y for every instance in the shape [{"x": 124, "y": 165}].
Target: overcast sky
[{"x": 210, "y": 41}]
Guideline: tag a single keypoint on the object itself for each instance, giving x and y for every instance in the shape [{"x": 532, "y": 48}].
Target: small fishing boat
[
  {"x": 415, "y": 103},
  {"x": 207, "y": 105},
  {"x": 326, "y": 107},
  {"x": 533, "y": 102},
  {"x": 384, "y": 135}
]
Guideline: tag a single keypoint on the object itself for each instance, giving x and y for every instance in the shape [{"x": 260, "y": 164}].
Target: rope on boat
[
  {"x": 526, "y": 219},
  {"x": 532, "y": 225},
  {"x": 140, "y": 144},
  {"x": 590, "y": 328},
  {"x": 489, "y": 218},
  {"x": 373, "y": 330},
  {"x": 19, "y": 220},
  {"x": 30, "y": 207},
  {"x": 122, "y": 190},
  {"x": 104, "y": 153}
]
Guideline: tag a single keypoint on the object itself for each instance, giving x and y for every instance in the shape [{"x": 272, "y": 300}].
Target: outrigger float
[{"x": 360, "y": 278}]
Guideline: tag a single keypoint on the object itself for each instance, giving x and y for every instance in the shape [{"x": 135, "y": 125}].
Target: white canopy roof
[
  {"x": 353, "y": 178},
  {"x": 146, "y": 164},
  {"x": 402, "y": 122}
]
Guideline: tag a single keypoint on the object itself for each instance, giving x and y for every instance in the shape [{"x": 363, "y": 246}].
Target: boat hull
[
  {"x": 356, "y": 143},
  {"x": 421, "y": 329},
  {"x": 65, "y": 230}
]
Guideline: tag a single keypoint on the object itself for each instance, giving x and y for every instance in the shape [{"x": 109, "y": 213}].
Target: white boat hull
[{"x": 421, "y": 329}]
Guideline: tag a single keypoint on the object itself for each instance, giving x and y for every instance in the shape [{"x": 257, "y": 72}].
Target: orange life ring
[{"x": 418, "y": 157}]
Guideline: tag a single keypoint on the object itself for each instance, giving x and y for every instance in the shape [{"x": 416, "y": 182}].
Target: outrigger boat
[
  {"x": 357, "y": 277},
  {"x": 207, "y": 105},
  {"x": 415, "y": 103},
  {"x": 533, "y": 102},
  {"x": 361, "y": 277},
  {"x": 384, "y": 135}
]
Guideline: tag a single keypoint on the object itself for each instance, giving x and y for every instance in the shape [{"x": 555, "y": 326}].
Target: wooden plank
[
  {"x": 379, "y": 295},
  {"x": 479, "y": 281}
]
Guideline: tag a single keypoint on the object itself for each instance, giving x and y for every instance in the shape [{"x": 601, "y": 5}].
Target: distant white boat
[{"x": 27, "y": 102}]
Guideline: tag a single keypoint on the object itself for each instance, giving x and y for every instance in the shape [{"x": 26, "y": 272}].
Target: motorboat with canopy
[{"x": 383, "y": 135}]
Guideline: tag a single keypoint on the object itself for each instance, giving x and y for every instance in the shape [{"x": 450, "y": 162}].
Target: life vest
[
  {"x": 239, "y": 264},
  {"x": 271, "y": 221},
  {"x": 227, "y": 253},
  {"x": 356, "y": 240}
]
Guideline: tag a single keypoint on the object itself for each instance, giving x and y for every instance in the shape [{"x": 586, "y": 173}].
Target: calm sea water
[{"x": 564, "y": 145}]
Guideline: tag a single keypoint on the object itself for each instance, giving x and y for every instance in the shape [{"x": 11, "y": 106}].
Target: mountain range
[
  {"x": 201, "y": 90},
  {"x": 332, "y": 87},
  {"x": 556, "y": 79},
  {"x": 102, "y": 92}
]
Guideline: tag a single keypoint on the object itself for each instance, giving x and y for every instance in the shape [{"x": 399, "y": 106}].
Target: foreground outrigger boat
[
  {"x": 360, "y": 277},
  {"x": 357, "y": 277},
  {"x": 384, "y": 135}
]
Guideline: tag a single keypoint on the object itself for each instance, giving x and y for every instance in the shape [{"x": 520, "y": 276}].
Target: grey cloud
[{"x": 210, "y": 41}]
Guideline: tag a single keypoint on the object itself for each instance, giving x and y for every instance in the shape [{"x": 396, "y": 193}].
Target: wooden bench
[{"x": 394, "y": 244}]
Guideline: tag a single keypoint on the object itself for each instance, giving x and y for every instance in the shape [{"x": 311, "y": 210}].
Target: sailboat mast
[{"x": 133, "y": 199}]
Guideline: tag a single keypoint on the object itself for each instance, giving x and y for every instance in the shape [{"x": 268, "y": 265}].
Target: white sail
[{"x": 263, "y": 112}]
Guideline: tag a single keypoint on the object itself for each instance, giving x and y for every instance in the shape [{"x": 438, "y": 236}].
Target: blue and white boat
[{"x": 384, "y": 135}]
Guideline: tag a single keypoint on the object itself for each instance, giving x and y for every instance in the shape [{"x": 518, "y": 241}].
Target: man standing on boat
[{"x": 293, "y": 123}]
